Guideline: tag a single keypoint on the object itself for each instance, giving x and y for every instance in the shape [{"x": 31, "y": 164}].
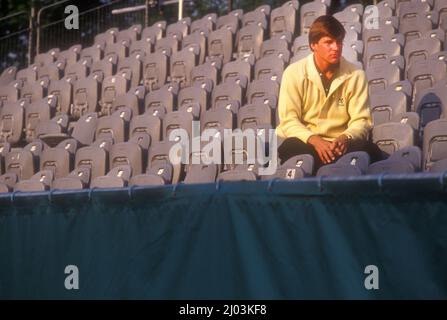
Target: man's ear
[{"x": 312, "y": 46}]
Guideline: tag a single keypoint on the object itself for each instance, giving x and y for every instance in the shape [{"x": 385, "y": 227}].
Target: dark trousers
[{"x": 293, "y": 146}]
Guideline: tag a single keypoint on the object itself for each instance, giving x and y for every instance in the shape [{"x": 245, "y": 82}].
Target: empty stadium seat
[
  {"x": 420, "y": 49},
  {"x": 38, "y": 111},
  {"x": 351, "y": 164},
  {"x": 390, "y": 137},
  {"x": 164, "y": 100},
  {"x": 112, "y": 87},
  {"x": 425, "y": 74},
  {"x": 117, "y": 177},
  {"x": 308, "y": 13},
  {"x": 386, "y": 104},
  {"x": 415, "y": 27},
  {"x": 278, "y": 47},
  {"x": 247, "y": 172},
  {"x": 431, "y": 103},
  {"x": 283, "y": 19},
  {"x": 196, "y": 41},
  {"x": 41, "y": 181},
  {"x": 71, "y": 55},
  {"x": 53, "y": 131},
  {"x": 270, "y": 67},
  {"x": 238, "y": 71},
  {"x": 227, "y": 95},
  {"x": 434, "y": 144},
  {"x": 63, "y": 91},
  {"x": 295, "y": 168},
  {"x": 85, "y": 97},
  {"x": 8, "y": 75},
  {"x": 114, "y": 126},
  {"x": 130, "y": 69},
  {"x": 155, "y": 70},
  {"x": 403, "y": 161},
  {"x": 255, "y": 18},
  {"x": 207, "y": 71},
  {"x": 12, "y": 116},
  {"x": 78, "y": 179},
  {"x": 201, "y": 173},
  {"x": 182, "y": 64},
  {"x": 249, "y": 41}
]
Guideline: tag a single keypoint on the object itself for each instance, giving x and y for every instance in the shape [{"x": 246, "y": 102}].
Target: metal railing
[
  {"x": 20, "y": 47},
  {"x": 91, "y": 23},
  {"x": 14, "y": 40}
]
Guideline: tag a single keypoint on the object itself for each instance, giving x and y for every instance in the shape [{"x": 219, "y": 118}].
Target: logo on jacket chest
[{"x": 341, "y": 102}]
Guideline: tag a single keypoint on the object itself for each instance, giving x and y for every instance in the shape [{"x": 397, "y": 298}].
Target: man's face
[{"x": 328, "y": 49}]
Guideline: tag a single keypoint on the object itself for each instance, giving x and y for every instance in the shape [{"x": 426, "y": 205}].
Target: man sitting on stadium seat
[{"x": 323, "y": 103}]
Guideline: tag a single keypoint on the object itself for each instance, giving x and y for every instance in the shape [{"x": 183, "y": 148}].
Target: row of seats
[
  {"x": 23, "y": 121},
  {"x": 68, "y": 158}
]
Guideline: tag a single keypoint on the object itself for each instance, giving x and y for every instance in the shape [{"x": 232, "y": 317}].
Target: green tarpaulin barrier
[{"x": 364, "y": 238}]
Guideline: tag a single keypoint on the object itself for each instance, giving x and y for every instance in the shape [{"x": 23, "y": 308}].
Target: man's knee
[{"x": 369, "y": 147}]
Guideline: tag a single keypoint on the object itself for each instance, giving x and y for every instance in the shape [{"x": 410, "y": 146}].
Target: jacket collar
[{"x": 344, "y": 72}]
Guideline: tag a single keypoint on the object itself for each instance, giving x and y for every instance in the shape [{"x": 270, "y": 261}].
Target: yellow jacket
[{"x": 304, "y": 109}]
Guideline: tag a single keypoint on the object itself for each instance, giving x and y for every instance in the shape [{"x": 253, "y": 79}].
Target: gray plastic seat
[
  {"x": 35, "y": 91},
  {"x": 115, "y": 126},
  {"x": 130, "y": 69},
  {"x": 41, "y": 181},
  {"x": 308, "y": 13},
  {"x": 247, "y": 172},
  {"x": 277, "y": 47},
  {"x": 283, "y": 19},
  {"x": 103, "y": 68},
  {"x": 201, "y": 173},
  {"x": 351, "y": 164},
  {"x": 435, "y": 143},
  {"x": 159, "y": 157},
  {"x": 425, "y": 74},
  {"x": 269, "y": 68},
  {"x": 155, "y": 70},
  {"x": 8, "y": 75},
  {"x": 63, "y": 90},
  {"x": 431, "y": 103},
  {"x": 12, "y": 116},
  {"x": 112, "y": 87},
  {"x": 163, "y": 98},
  {"x": 38, "y": 111},
  {"x": 390, "y": 137},
  {"x": 155, "y": 176},
  {"x": 381, "y": 76},
  {"x": 207, "y": 71},
  {"x": 181, "y": 66},
  {"x": 168, "y": 45},
  {"x": 85, "y": 97},
  {"x": 420, "y": 49},
  {"x": 415, "y": 27},
  {"x": 71, "y": 55},
  {"x": 78, "y": 179},
  {"x": 220, "y": 45},
  {"x": 117, "y": 177},
  {"x": 127, "y": 153},
  {"x": 263, "y": 92},
  {"x": 198, "y": 40},
  {"x": 295, "y": 168},
  {"x": 387, "y": 104},
  {"x": 249, "y": 41}
]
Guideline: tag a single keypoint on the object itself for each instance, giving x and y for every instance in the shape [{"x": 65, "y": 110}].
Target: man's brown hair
[{"x": 326, "y": 26}]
